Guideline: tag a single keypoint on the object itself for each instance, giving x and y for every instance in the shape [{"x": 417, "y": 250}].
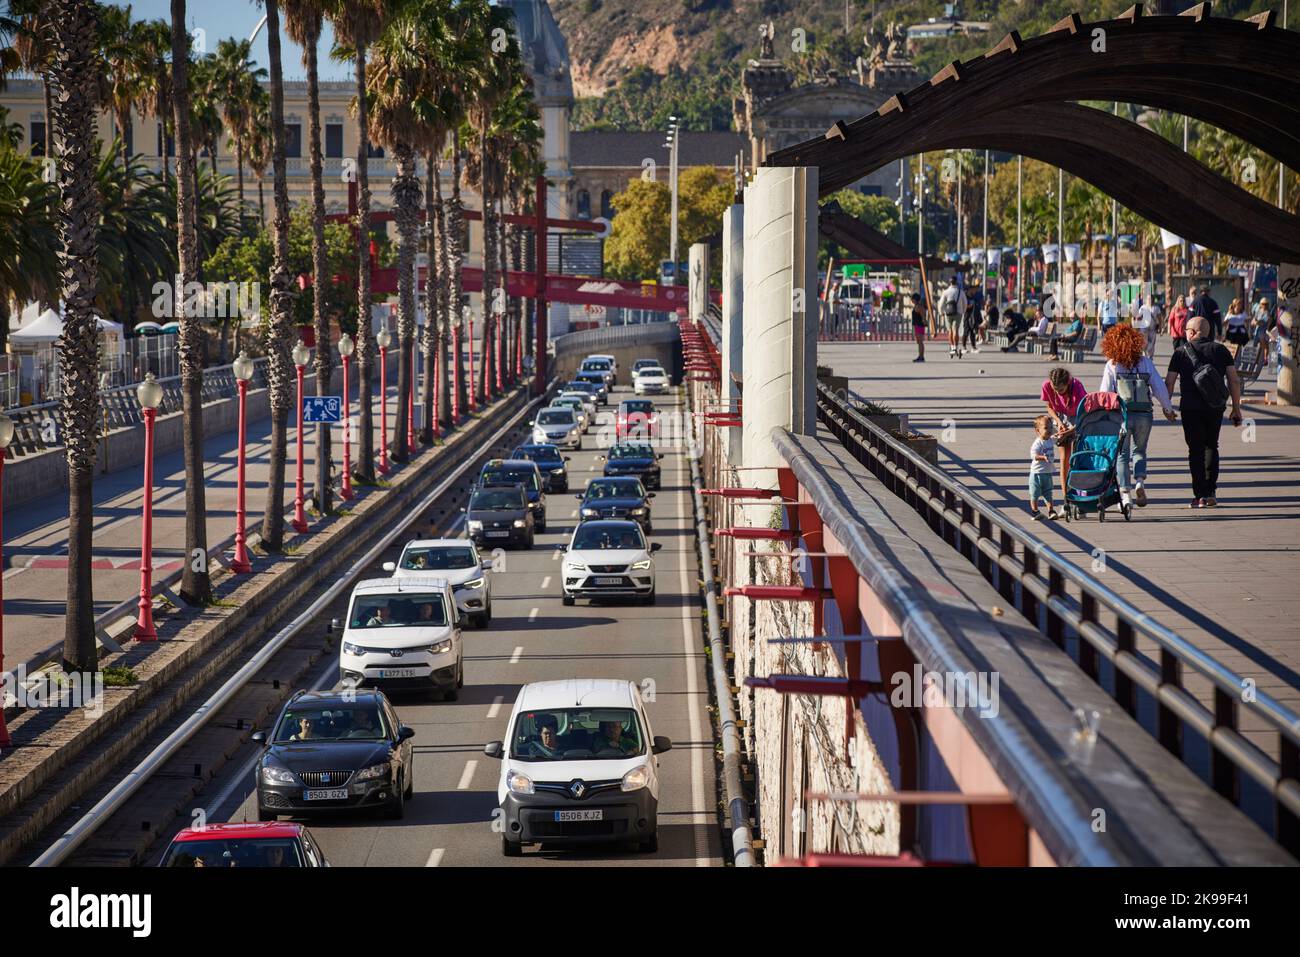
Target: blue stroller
[{"x": 1092, "y": 483}]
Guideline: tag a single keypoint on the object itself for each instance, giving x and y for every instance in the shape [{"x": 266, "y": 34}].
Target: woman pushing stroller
[{"x": 1131, "y": 374}]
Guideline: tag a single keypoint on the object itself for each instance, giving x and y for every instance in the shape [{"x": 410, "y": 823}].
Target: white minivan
[
  {"x": 579, "y": 765},
  {"x": 402, "y": 633}
]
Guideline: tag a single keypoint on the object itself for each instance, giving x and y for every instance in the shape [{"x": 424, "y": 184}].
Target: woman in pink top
[
  {"x": 1178, "y": 323},
  {"x": 1062, "y": 394}
]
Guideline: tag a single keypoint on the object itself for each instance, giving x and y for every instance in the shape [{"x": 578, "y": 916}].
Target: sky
[{"x": 220, "y": 19}]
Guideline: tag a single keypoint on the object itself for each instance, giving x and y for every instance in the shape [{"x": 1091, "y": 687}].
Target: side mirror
[
  {"x": 567, "y": 459},
  {"x": 462, "y": 508},
  {"x": 259, "y": 737},
  {"x": 390, "y": 566},
  {"x": 599, "y": 458},
  {"x": 662, "y": 744},
  {"x": 404, "y": 733},
  {"x": 579, "y": 496},
  {"x": 487, "y": 564},
  {"x": 659, "y": 456},
  {"x": 650, "y": 495},
  {"x": 494, "y": 749},
  {"x": 655, "y": 546}
]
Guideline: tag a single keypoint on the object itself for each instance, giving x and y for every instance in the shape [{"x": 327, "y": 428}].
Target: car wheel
[
  {"x": 530, "y": 539},
  {"x": 567, "y": 600},
  {"x": 396, "y": 809},
  {"x": 541, "y": 526},
  {"x": 452, "y": 693},
  {"x": 650, "y": 845},
  {"x": 509, "y": 848},
  {"x": 481, "y": 620}
]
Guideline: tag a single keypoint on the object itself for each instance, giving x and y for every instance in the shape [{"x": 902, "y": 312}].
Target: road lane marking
[
  {"x": 435, "y": 857},
  {"x": 555, "y": 555},
  {"x": 495, "y": 708},
  {"x": 514, "y": 659},
  {"x": 546, "y": 583},
  {"x": 467, "y": 775},
  {"x": 532, "y": 614}
]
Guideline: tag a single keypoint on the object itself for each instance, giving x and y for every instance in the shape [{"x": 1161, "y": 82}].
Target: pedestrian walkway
[{"x": 1223, "y": 578}]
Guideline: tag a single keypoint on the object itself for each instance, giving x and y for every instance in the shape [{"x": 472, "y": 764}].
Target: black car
[
  {"x": 333, "y": 751},
  {"x": 499, "y": 515},
  {"x": 523, "y": 472},
  {"x": 633, "y": 459},
  {"x": 598, "y": 380},
  {"x": 549, "y": 462},
  {"x": 616, "y": 498}
]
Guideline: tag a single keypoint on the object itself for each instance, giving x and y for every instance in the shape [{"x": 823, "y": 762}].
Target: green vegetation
[
  {"x": 119, "y": 676},
  {"x": 640, "y": 238}
]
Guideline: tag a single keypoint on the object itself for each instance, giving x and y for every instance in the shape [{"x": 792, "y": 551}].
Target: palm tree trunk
[
  {"x": 406, "y": 205},
  {"x": 78, "y": 153},
  {"x": 239, "y": 167},
  {"x": 324, "y": 356},
  {"x": 365, "y": 467},
  {"x": 445, "y": 317},
  {"x": 280, "y": 376},
  {"x": 507, "y": 316},
  {"x": 123, "y": 120},
  {"x": 49, "y": 113},
  {"x": 489, "y": 273},
  {"x": 196, "y": 584},
  {"x": 455, "y": 242}
]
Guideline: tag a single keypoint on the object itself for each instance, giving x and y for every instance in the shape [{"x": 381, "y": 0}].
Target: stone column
[
  {"x": 780, "y": 318},
  {"x": 1288, "y": 311},
  {"x": 698, "y": 281},
  {"x": 733, "y": 298}
]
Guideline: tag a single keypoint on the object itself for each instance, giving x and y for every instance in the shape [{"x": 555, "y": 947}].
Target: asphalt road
[{"x": 533, "y": 637}]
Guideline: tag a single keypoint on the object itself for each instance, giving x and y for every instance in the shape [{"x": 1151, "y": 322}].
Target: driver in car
[
  {"x": 381, "y": 616},
  {"x": 612, "y": 738},
  {"x": 363, "y": 726},
  {"x": 548, "y": 743},
  {"x": 304, "y": 730}
]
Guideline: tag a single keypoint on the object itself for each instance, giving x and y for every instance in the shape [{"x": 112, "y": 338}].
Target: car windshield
[
  {"x": 590, "y": 537},
  {"x": 577, "y": 734},
  {"x": 595, "y": 365},
  {"x": 497, "y": 499},
  {"x": 643, "y": 406},
  {"x": 615, "y": 488},
  {"x": 235, "y": 852},
  {"x": 631, "y": 452},
  {"x": 645, "y": 364},
  {"x": 439, "y": 558},
  {"x": 335, "y": 722},
  {"x": 575, "y": 404},
  {"x": 503, "y": 476},
  {"x": 409, "y": 609},
  {"x": 595, "y": 378},
  {"x": 555, "y": 417},
  {"x": 582, "y": 398},
  {"x": 539, "y": 453},
  {"x": 581, "y": 386},
  {"x": 652, "y": 370}
]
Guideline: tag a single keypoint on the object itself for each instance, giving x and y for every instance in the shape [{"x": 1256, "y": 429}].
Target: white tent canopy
[{"x": 48, "y": 326}]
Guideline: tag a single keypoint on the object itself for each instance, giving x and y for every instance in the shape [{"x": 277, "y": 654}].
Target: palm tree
[
  {"x": 126, "y": 64},
  {"x": 280, "y": 327},
  {"x": 72, "y": 68},
  {"x": 236, "y": 76},
  {"x": 258, "y": 144},
  {"x": 356, "y": 25},
  {"x": 303, "y": 20},
  {"x": 30, "y": 26},
  {"x": 29, "y": 267},
  {"x": 205, "y": 108},
  {"x": 154, "y": 40},
  {"x": 136, "y": 236}
]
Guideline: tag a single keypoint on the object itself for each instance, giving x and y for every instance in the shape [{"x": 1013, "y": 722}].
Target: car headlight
[
  {"x": 518, "y": 783},
  {"x": 641, "y": 565},
  {"x": 351, "y": 649},
  {"x": 474, "y": 526},
  {"x": 637, "y": 778},
  {"x": 274, "y": 775},
  {"x": 534, "y": 505},
  {"x": 519, "y": 523},
  {"x": 575, "y": 566},
  {"x": 377, "y": 771},
  {"x": 559, "y": 471},
  {"x": 476, "y": 583},
  {"x": 589, "y": 513},
  {"x": 638, "y": 511},
  {"x": 441, "y": 647}
]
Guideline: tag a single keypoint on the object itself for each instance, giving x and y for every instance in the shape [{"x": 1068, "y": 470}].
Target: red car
[
  {"x": 269, "y": 844},
  {"x": 637, "y": 419}
]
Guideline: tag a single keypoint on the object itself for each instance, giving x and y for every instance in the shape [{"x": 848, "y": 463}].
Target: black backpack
[{"x": 1207, "y": 379}]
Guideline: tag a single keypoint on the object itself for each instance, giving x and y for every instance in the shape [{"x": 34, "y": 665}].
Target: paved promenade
[{"x": 1224, "y": 578}]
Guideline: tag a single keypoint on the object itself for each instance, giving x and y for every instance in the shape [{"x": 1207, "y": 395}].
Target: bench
[{"x": 1075, "y": 352}]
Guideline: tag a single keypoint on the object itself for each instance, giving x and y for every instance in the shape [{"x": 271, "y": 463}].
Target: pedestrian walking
[
  {"x": 1147, "y": 321},
  {"x": 970, "y": 327},
  {"x": 1234, "y": 327},
  {"x": 1062, "y": 394},
  {"x": 1207, "y": 381},
  {"x": 1131, "y": 375},
  {"x": 918, "y": 326},
  {"x": 1178, "y": 323},
  {"x": 952, "y": 306},
  {"x": 1205, "y": 307}
]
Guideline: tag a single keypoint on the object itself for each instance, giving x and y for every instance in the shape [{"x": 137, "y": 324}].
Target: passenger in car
[
  {"x": 304, "y": 730},
  {"x": 612, "y": 738}
]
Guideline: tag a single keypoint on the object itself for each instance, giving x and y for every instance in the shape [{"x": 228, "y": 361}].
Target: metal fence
[{"x": 890, "y": 325}]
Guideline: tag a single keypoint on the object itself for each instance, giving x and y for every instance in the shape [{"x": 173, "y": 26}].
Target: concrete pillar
[
  {"x": 1288, "y": 310},
  {"x": 780, "y": 310},
  {"x": 698, "y": 279},
  {"x": 733, "y": 298}
]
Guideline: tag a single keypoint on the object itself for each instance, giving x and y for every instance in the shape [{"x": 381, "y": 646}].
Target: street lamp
[
  {"x": 346, "y": 348},
  {"x": 6, "y": 436},
  {"x": 301, "y": 356},
  {"x": 469, "y": 347},
  {"x": 150, "y": 394},
  {"x": 455, "y": 374},
  {"x": 674, "y": 139},
  {"x": 385, "y": 339},
  {"x": 410, "y": 404},
  {"x": 243, "y": 369}
]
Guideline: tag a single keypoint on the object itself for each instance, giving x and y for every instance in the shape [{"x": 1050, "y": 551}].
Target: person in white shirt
[
  {"x": 1133, "y": 376},
  {"x": 1042, "y": 456},
  {"x": 952, "y": 307},
  {"x": 1147, "y": 321}
]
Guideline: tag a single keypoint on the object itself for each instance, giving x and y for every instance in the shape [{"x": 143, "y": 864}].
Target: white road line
[
  {"x": 546, "y": 582},
  {"x": 532, "y": 613},
  {"x": 690, "y": 620},
  {"x": 467, "y": 775},
  {"x": 555, "y": 555},
  {"x": 573, "y": 514},
  {"x": 514, "y": 659},
  {"x": 495, "y": 708},
  {"x": 435, "y": 857}
]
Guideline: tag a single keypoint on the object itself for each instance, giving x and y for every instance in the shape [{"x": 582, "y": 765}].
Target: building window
[
  {"x": 293, "y": 140},
  {"x": 38, "y": 137},
  {"x": 334, "y": 140},
  {"x": 606, "y": 206},
  {"x": 171, "y": 142},
  {"x": 584, "y": 204},
  {"x": 374, "y": 152}
]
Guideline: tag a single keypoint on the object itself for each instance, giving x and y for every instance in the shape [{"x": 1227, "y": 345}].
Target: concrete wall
[
  {"x": 652, "y": 340},
  {"x": 733, "y": 300},
  {"x": 698, "y": 281}
]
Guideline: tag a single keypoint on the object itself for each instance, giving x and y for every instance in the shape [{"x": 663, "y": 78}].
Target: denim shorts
[{"x": 1040, "y": 488}]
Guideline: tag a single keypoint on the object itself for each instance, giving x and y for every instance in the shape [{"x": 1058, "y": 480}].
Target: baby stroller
[{"x": 1100, "y": 438}]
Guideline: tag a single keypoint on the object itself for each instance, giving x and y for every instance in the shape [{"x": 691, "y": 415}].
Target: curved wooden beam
[{"x": 864, "y": 241}]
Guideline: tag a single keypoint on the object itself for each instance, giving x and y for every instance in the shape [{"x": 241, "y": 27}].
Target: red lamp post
[
  {"x": 150, "y": 394},
  {"x": 384, "y": 338},
  {"x": 410, "y": 405},
  {"x": 301, "y": 356},
  {"x": 455, "y": 375},
  {"x": 497, "y": 364},
  {"x": 473, "y": 399},
  {"x": 243, "y": 369},
  {"x": 435, "y": 429},
  {"x": 6, "y": 436},
  {"x": 346, "y": 348}
]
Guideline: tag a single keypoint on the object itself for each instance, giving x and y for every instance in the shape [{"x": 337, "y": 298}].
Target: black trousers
[
  {"x": 1201, "y": 430},
  {"x": 1068, "y": 340},
  {"x": 970, "y": 331}
]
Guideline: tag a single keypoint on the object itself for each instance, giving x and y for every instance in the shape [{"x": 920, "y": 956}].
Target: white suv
[
  {"x": 608, "y": 558},
  {"x": 579, "y": 765},
  {"x": 458, "y": 561},
  {"x": 402, "y": 633}
]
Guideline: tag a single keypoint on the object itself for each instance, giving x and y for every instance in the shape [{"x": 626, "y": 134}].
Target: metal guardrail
[
  {"x": 37, "y": 427},
  {"x": 1033, "y": 577}
]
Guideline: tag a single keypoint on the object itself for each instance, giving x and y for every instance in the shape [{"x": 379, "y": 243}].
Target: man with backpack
[
  {"x": 952, "y": 306},
  {"x": 1207, "y": 382}
]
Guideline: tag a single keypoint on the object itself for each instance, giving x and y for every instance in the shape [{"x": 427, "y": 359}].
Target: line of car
[{"x": 580, "y": 763}]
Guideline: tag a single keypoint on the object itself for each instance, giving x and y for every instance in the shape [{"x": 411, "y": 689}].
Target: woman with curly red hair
[{"x": 1132, "y": 375}]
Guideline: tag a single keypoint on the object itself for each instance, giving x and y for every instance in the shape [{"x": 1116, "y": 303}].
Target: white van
[
  {"x": 403, "y": 633},
  {"x": 579, "y": 765}
]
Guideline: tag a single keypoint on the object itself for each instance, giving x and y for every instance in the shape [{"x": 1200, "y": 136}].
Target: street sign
[{"x": 322, "y": 408}]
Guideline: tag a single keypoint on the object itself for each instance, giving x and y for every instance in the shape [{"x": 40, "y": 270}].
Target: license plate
[
  {"x": 330, "y": 794},
  {"x": 397, "y": 673},
  {"x": 609, "y": 581},
  {"x": 594, "y": 815},
  {"x": 497, "y": 534}
]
